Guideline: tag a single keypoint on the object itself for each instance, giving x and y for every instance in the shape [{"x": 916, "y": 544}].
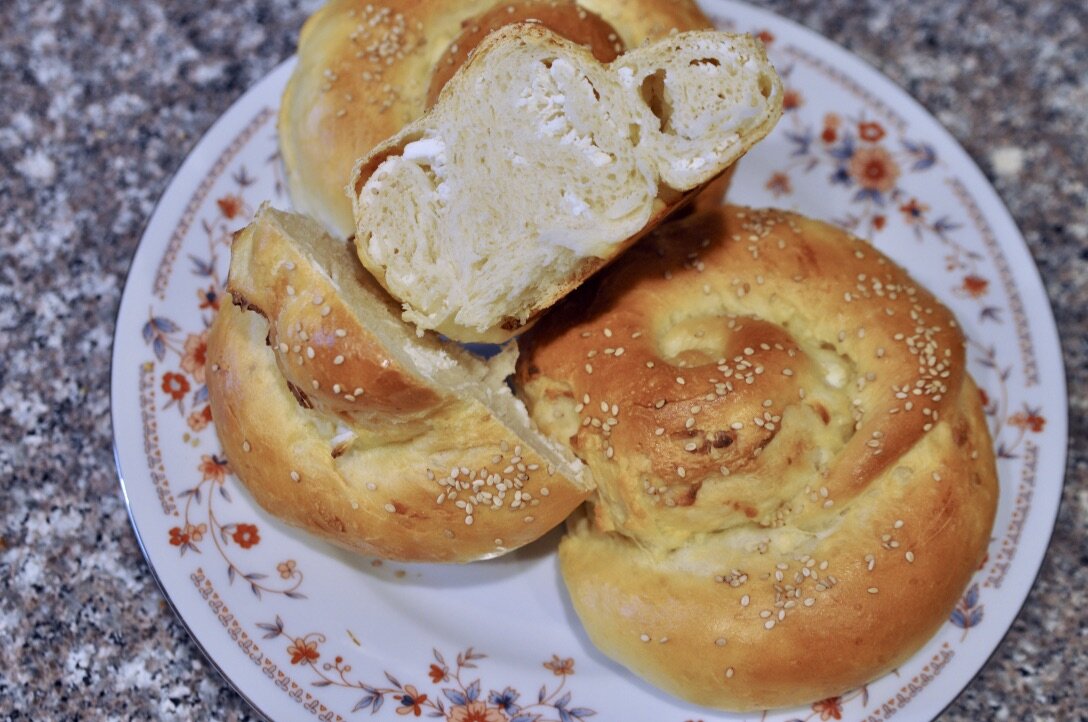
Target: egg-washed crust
[
  {"x": 365, "y": 68},
  {"x": 795, "y": 477},
  {"x": 335, "y": 432}
]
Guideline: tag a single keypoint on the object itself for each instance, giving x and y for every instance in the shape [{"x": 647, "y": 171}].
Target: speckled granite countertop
[{"x": 102, "y": 101}]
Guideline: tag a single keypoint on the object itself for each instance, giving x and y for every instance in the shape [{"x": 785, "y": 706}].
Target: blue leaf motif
[
  {"x": 563, "y": 701},
  {"x": 473, "y": 691},
  {"x": 164, "y": 324},
  {"x": 958, "y": 619},
  {"x": 201, "y": 267},
  {"x": 971, "y": 599},
  {"x": 201, "y": 395},
  {"x": 455, "y": 695},
  {"x": 159, "y": 348},
  {"x": 564, "y": 715},
  {"x": 844, "y": 150},
  {"x": 525, "y": 718},
  {"x": 975, "y": 617},
  {"x": 579, "y": 713},
  {"x": 802, "y": 140},
  {"x": 148, "y": 332},
  {"x": 363, "y": 703}
]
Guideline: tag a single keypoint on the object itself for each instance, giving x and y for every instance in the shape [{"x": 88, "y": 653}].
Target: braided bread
[
  {"x": 367, "y": 69},
  {"x": 341, "y": 421},
  {"x": 794, "y": 476}
]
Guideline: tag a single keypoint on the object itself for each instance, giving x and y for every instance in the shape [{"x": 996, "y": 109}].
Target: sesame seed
[
  {"x": 910, "y": 556},
  {"x": 644, "y": 637},
  {"x": 390, "y": 508},
  {"x": 246, "y": 447},
  {"x": 341, "y": 333},
  {"x": 729, "y": 672},
  {"x": 468, "y": 520},
  {"x": 745, "y": 600},
  {"x": 295, "y": 476},
  {"x": 769, "y": 624}
]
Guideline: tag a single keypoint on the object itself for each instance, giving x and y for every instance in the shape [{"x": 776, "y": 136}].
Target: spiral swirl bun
[{"x": 795, "y": 479}]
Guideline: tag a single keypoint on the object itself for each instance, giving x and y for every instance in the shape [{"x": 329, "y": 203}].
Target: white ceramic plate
[{"x": 302, "y": 629}]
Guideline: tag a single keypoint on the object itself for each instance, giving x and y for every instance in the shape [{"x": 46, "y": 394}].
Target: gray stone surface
[{"x": 102, "y": 100}]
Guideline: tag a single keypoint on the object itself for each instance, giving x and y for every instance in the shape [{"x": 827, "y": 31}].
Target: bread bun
[
  {"x": 341, "y": 421},
  {"x": 365, "y": 70},
  {"x": 795, "y": 480},
  {"x": 538, "y": 165}
]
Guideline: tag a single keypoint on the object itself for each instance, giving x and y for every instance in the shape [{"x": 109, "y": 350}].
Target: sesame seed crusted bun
[
  {"x": 795, "y": 477},
  {"x": 365, "y": 70},
  {"x": 341, "y": 421}
]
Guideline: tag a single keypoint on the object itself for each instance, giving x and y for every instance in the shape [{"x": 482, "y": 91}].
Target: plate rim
[{"x": 964, "y": 161}]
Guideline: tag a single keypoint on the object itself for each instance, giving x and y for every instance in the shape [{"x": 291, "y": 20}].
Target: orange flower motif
[
  {"x": 177, "y": 537},
  {"x": 779, "y": 184},
  {"x": 871, "y": 131},
  {"x": 878, "y": 222},
  {"x": 213, "y": 467},
  {"x": 196, "y": 533},
  {"x": 438, "y": 674},
  {"x": 246, "y": 535},
  {"x": 792, "y": 99},
  {"x": 231, "y": 205},
  {"x": 766, "y": 36},
  {"x": 209, "y": 298},
  {"x": 287, "y": 568},
  {"x": 983, "y": 398},
  {"x": 175, "y": 385},
  {"x": 411, "y": 701},
  {"x": 1028, "y": 420},
  {"x": 196, "y": 353},
  {"x": 830, "y": 708},
  {"x": 560, "y": 667},
  {"x": 975, "y": 286},
  {"x": 831, "y": 128},
  {"x": 874, "y": 169},
  {"x": 474, "y": 712},
  {"x": 199, "y": 420},
  {"x": 303, "y": 651},
  {"x": 914, "y": 212}
]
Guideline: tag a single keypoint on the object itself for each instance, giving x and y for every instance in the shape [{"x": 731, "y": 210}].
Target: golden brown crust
[
  {"x": 333, "y": 432},
  {"x": 789, "y": 457},
  {"x": 364, "y": 69}
]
